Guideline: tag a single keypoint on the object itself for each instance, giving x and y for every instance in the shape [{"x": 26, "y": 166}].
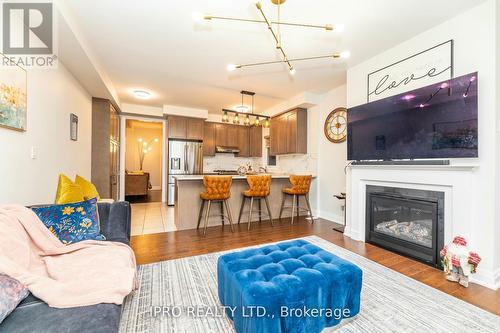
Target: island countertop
[
  {"x": 235, "y": 177},
  {"x": 188, "y": 202}
]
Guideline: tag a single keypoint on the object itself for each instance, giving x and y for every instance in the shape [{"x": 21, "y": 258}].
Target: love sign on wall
[{"x": 419, "y": 70}]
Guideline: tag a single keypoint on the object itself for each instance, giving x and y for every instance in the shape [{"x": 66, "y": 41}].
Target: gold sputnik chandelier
[{"x": 276, "y": 33}]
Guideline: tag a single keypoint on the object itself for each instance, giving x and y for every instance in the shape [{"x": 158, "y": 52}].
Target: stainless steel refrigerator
[{"x": 184, "y": 158}]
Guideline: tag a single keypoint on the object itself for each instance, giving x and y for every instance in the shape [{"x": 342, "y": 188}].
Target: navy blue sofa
[{"x": 34, "y": 315}]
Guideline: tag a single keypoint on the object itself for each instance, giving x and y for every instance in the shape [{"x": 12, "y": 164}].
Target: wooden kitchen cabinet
[
  {"x": 185, "y": 128},
  {"x": 177, "y": 127},
  {"x": 243, "y": 141},
  {"x": 209, "y": 139},
  {"x": 247, "y": 139},
  {"x": 195, "y": 127},
  {"x": 255, "y": 141},
  {"x": 288, "y": 133},
  {"x": 221, "y": 138}
]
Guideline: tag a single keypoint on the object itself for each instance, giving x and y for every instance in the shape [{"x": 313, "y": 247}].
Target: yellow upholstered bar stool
[
  {"x": 260, "y": 187},
  {"x": 300, "y": 188},
  {"x": 217, "y": 189}
]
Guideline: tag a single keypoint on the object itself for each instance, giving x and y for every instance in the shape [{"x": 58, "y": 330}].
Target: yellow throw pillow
[
  {"x": 89, "y": 189},
  {"x": 67, "y": 191}
]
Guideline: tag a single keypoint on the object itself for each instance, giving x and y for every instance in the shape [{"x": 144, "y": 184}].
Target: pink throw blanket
[{"x": 80, "y": 274}]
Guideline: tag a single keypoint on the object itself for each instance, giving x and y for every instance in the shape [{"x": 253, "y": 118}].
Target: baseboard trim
[
  {"x": 487, "y": 278},
  {"x": 332, "y": 217}
]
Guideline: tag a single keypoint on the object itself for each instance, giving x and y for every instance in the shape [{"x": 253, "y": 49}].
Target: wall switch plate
[{"x": 33, "y": 153}]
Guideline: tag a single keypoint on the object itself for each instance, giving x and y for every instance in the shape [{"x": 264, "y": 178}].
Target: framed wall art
[
  {"x": 419, "y": 70},
  {"x": 13, "y": 96}
]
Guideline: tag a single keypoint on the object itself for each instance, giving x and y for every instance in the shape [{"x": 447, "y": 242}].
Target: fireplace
[{"x": 407, "y": 221}]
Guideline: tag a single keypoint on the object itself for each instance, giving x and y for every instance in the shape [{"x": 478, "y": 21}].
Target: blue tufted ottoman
[{"x": 287, "y": 287}]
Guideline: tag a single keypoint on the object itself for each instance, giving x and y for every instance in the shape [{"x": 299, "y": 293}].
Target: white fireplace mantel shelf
[{"x": 467, "y": 167}]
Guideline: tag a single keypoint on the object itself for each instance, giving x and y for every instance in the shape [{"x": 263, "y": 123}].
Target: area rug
[{"x": 181, "y": 296}]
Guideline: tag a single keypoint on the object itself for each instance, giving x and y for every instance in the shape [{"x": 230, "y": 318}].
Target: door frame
[{"x": 123, "y": 145}]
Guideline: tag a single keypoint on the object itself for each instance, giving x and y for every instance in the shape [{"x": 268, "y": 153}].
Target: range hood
[{"x": 227, "y": 150}]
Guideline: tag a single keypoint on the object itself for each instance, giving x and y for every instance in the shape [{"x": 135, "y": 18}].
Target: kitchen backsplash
[
  {"x": 229, "y": 162},
  {"x": 297, "y": 164},
  {"x": 289, "y": 164}
]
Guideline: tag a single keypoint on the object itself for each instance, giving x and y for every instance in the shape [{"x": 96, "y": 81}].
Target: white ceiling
[{"x": 155, "y": 45}]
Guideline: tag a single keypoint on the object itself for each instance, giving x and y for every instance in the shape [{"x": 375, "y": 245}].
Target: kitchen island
[{"x": 188, "y": 202}]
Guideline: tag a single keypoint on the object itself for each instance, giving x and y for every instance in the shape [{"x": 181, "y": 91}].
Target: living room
[{"x": 272, "y": 166}]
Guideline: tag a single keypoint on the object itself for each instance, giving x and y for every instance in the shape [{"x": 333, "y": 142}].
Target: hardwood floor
[{"x": 172, "y": 245}]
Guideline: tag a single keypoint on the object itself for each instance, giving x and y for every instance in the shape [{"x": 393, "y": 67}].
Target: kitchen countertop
[{"x": 235, "y": 177}]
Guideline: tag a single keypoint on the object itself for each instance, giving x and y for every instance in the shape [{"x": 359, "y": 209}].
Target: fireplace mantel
[{"x": 462, "y": 202}]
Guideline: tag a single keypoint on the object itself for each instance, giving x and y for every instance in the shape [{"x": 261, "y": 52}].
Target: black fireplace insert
[{"x": 407, "y": 221}]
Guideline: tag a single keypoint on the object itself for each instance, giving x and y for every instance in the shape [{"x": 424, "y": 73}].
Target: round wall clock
[{"x": 336, "y": 125}]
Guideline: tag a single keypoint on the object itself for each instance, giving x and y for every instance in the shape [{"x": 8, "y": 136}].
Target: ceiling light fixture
[
  {"x": 277, "y": 35},
  {"x": 243, "y": 109},
  {"x": 142, "y": 94}
]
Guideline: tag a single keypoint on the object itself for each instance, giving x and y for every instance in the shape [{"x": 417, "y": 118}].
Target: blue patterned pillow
[{"x": 73, "y": 222}]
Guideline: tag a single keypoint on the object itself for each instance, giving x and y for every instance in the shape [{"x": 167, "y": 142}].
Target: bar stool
[
  {"x": 300, "y": 188},
  {"x": 217, "y": 189},
  {"x": 260, "y": 187}
]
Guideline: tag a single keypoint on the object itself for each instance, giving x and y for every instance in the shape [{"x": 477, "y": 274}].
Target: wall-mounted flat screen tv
[{"x": 437, "y": 121}]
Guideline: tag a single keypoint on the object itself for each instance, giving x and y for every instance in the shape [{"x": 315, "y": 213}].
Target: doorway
[{"x": 143, "y": 161}]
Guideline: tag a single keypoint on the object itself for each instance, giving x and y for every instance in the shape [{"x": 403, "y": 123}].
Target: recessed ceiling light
[
  {"x": 345, "y": 54},
  {"x": 142, "y": 94},
  {"x": 242, "y": 108}
]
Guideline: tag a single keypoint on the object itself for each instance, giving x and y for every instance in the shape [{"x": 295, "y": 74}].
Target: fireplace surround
[{"x": 407, "y": 221}]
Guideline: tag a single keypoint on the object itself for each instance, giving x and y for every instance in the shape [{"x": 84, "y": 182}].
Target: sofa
[{"x": 33, "y": 315}]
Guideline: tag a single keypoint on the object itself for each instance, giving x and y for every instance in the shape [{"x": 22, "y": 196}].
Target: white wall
[
  {"x": 475, "y": 47},
  {"x": 52, "y": 95},
  {"x": 331, "y": 160},
  {"x": 142, "y": 110},
  {"x": 497, "y": 205}
]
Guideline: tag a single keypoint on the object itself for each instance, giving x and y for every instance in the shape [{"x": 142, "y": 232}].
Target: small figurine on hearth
[{"x": 458, "y": 261}]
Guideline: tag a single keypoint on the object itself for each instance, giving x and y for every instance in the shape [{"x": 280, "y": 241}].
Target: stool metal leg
[
  {"x": 309, "y": 208},
  {"x": 222, "y": 211},
  {"x": 283, "y": 197},
  {"x": 269, "y": 211},
  {"x": 243, "y": 199},
  {"x": 229, "y": 215},
  {"x": 206, "y": 217},
  {"x": 298, "y": 207},
  {"x": 260, "y": 210},
  {"x": 293, "y": 207},
  {"x": 250, "y": 213},
  {"x": 201, "y": 213}
]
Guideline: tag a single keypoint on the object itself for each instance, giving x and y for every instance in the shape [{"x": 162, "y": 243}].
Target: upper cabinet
[
  {"x": 243, "y": 142},
  {"x": 195, "y": 129},
  {"x": 209, "y": 139},
  {"x": 255, "y": 141},
  {"x": 185, "y": 128},
  {"x": 288, "y": 133},
  {"x": 247, "y": 139}
]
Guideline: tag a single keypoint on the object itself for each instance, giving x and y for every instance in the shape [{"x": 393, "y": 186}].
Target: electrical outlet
[{"x": 33, "y": 153}]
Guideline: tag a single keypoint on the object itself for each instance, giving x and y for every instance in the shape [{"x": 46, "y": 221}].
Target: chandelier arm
[
  {"x": 292, "y": 60},
  {"x": 285, "y": 58},
  {"x": 327, "y": 27}
]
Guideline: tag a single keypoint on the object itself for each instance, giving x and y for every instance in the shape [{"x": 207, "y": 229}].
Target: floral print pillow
[
  {"x": 73, "y": 222},
  {"x": 12, "y": 292}
]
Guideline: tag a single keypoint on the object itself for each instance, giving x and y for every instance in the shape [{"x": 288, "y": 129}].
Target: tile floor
[{"x": 152, "y": 218}]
